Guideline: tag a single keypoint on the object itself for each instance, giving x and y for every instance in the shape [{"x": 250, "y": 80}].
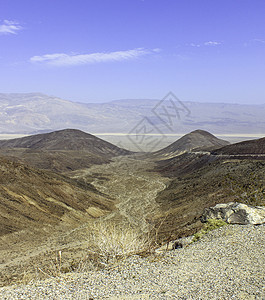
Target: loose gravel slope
[{"x": 227, "y": 263}]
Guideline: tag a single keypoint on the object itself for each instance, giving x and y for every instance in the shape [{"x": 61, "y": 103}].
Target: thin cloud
[
  {"x": 195, "y": 45},
  {"x": 259, "y": 41},
  {"x": 209, "y": 43},
  {"x": 10, "y": 27},
  {"x": 62, "y": 59},
  {"x": 254, "y": 42},
  {"x": 212, "y": 43}
]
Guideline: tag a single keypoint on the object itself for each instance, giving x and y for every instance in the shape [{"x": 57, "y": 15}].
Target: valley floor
[{"x": 132, "y": 185}]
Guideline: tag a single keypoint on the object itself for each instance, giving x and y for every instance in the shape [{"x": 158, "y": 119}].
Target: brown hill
[
  {"x": 31, "y": 198},
  {"x": 67, "y": 139},
  {"x": 196, "y": 140},
  {"x": 61, "y": 151},
  {"x": 243, "y": 148}
]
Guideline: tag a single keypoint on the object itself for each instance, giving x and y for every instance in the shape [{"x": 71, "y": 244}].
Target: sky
[{"x": 103, "y": 50}]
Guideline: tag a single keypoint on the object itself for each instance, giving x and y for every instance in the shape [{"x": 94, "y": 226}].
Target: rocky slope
[
  {"x": 201, "y": 180},
  {"x": 227, "y": 263}
]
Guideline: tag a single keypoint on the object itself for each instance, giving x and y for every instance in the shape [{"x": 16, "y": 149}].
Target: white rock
[{"x": 235, "y": 213}]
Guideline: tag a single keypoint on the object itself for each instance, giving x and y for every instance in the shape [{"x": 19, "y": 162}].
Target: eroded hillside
[
  {"x": 32, "y": 198},
  {"x": 43, "y": 212}
]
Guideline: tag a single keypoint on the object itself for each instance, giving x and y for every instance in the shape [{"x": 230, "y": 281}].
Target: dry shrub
[
  {"x": 55, "y": 266},
  {"x": 110, "y": 242},
  {"x": 107, "y": 244}
]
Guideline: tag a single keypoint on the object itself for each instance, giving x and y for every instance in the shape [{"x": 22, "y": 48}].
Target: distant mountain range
[{"x": 38, "y": 113}]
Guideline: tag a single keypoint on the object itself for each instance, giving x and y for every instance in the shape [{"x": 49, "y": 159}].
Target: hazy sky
[{"x": 101, "y": 50}]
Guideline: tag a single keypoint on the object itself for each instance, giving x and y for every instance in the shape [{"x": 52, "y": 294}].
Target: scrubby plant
[
  {"x": 210, "y": 225},
  {"x": 109, "y": 242},
  {"x": 55, "y": 268}
]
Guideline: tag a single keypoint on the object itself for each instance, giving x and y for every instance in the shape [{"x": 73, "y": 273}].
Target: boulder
[{"x": 235, "y": 213}]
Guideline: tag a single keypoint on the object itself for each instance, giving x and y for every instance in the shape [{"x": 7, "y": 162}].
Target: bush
[
  {"x": 109, "y": 242},
  {"x": 210, "y": 225}
]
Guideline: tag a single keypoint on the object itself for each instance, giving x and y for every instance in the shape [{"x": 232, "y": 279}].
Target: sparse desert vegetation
[
  {"x": 99, "y": 217},
  {"x": 111, "y": 242},
  {"x": 132, "y": 150}
]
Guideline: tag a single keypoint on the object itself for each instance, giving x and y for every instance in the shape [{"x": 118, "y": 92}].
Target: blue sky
[{"x": 102, "y": 50}]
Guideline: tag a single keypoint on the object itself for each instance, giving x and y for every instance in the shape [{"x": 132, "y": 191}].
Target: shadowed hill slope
[
  {"x": 31, "y": 199},
  {"x": 246, "y": 147}
]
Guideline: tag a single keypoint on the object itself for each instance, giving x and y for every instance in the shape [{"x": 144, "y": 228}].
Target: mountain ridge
[{"x": 29, "y": 113}]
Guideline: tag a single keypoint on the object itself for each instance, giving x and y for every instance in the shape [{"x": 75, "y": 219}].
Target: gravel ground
[{"x": 227, "y": 263}]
